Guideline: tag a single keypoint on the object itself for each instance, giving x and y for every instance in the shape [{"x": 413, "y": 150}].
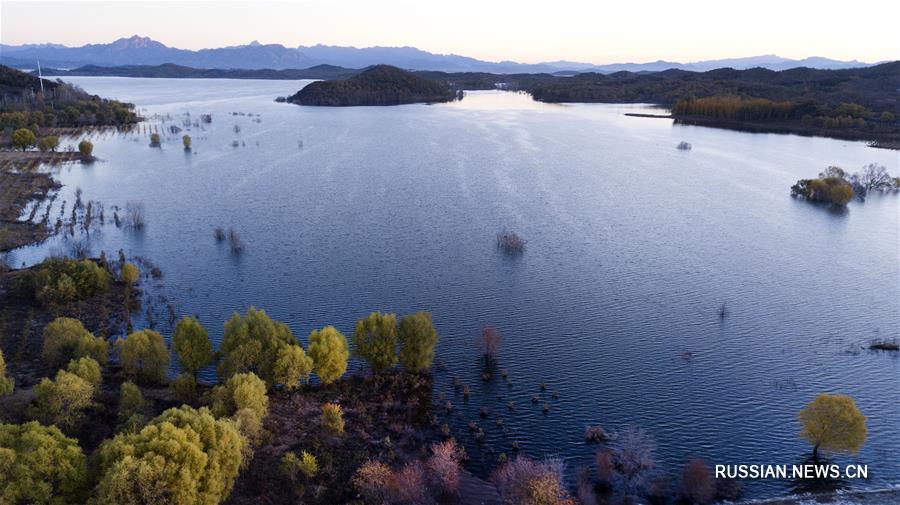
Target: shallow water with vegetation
[{"x": 632, "y": 250}]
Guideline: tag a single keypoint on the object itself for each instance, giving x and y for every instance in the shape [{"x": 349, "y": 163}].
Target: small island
[{"x": 377, "y": 85}]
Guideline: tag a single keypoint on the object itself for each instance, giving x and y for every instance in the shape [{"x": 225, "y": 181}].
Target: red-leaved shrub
[
  {"x": 443, "y": 466},
  {"x": 697, "y": 482},
  {"x": 524, "y": 481},
  {"x": 409, "y": 484},
  {"x": 374, "y": 480}
]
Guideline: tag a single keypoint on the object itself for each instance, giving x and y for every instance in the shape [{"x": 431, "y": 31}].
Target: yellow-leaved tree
[
  {"x": 184, "y": 456},
  {"x": 832, "y": 423}
]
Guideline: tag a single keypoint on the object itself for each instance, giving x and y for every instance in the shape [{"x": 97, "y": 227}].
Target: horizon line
[{"x": 556, "y": 61}]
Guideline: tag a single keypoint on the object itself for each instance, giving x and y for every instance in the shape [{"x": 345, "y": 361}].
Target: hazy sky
[{"x": 521, "y": 30}]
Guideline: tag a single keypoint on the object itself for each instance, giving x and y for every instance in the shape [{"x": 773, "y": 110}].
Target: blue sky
[{"x": 590, "y": 31}]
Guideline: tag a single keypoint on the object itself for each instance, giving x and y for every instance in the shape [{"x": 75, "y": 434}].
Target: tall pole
[{"x": 40, "y": 77}]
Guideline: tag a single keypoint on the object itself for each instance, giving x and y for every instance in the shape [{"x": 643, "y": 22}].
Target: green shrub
[
  {"x": 306, "y": 465},
  {"x": 184, "y": 456},
  {"x": 88, "y": 369},
  {"x": 251, "y": 344},
  {"x": 86, "y": 148},
  {"x": 375, "y": 340},
  {"x": 144, "y": 356},
  {"x": 40, "y": 465},
  {"x": 7, "y": 384},
  {"x": 417, "y": 340},
  {"x": 66, "y": 339},
  {"x": 192, "y": 345},
  {"x": 292, "y": 366},
  {"x": 62, "y": 401},
  {"x": 328, "y": 350},
  {"x": 333, "y": 417}
]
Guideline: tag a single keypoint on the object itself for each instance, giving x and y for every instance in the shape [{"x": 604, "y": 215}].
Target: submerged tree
[
  {"x": 833, "y": 423},
  {"x": 417, "y": 338},
  {"x": 86, "y": 148},
  {"x": 489, "y": 342},
  {"x": 375, "y": 340}
]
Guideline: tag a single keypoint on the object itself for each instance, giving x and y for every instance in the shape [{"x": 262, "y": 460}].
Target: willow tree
[
  {"x": 184, "y": 456},
  {"x": 63, "y": 400},
  {"x": 417, "y": 340},
  {"x": 145, "y": 356},
  {"x": 66, "y": 339},
  {"x": 328, "y": 350},
  {"x": 375, "y": 340},
  {"x": 292, "y": 367},
  {"x": 88, "y": 369},
  {"x": 832, "y": 423},
  {"x": 251, "y": 344},
  {"x": 40, "y": 465},
  {"x": 192, "y": 345}
]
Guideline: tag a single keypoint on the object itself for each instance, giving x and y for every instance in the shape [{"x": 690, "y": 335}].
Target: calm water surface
[{"x": 632, "y": 248}]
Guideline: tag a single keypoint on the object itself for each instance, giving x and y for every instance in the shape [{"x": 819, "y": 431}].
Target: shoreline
[{"x": 889, "y": 142}]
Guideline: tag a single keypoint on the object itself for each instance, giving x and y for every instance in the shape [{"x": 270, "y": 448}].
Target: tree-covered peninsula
[{"x": 378, "y": 85}]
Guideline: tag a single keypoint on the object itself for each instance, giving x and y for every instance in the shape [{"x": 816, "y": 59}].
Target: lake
[{"x": 632, "y": 248}]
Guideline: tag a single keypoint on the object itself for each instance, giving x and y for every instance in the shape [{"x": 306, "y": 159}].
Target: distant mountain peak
[
  {"x": 137, "y": 42},
  {"x": 254, "y": 42}
]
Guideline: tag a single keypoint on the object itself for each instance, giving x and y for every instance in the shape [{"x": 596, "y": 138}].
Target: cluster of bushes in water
[{"x": 837, "y": 187}]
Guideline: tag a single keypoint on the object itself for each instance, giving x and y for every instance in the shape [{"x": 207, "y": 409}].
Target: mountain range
[{"x": 137, "y": 50}]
